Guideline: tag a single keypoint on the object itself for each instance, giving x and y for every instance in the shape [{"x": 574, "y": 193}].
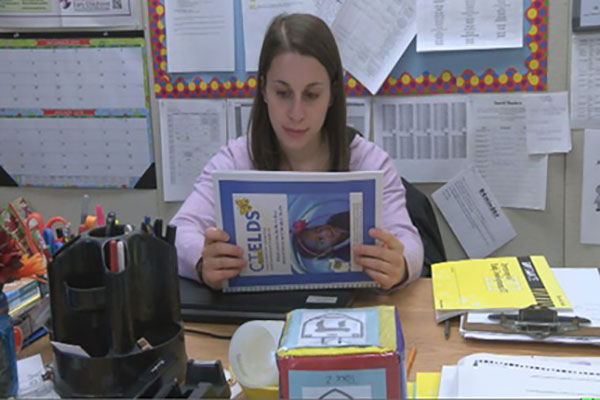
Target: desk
[{"x": 415, "y": 305}]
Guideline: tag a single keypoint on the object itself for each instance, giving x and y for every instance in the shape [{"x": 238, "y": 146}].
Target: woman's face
[{"x": 298, "y": 95}]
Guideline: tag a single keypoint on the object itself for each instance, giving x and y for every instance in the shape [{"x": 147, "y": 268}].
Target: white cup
[{"x": 252, "y": 353}]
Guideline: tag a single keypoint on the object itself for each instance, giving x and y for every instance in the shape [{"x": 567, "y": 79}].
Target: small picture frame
[{"x": 586, "y": 15}]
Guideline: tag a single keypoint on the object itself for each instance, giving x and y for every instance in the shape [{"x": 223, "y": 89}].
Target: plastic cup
[{"x": 252, "y": 353}]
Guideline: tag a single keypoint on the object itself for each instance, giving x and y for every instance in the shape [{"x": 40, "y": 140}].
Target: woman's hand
[
  {"x": 383, "y": 262},
  {"x": 220, "y": 260}
]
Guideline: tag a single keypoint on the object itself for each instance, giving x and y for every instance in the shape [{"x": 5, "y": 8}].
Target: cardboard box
[{"x": 338, "y": 353}]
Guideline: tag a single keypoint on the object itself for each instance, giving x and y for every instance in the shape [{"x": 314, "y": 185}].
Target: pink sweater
[{"x": 198, "y": 211}]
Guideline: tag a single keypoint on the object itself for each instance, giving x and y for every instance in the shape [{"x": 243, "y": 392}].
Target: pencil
[{"x": 410, "y": 359}]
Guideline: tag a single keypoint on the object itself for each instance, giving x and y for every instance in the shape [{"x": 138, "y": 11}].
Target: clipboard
[{"x": 536, "y": 322}]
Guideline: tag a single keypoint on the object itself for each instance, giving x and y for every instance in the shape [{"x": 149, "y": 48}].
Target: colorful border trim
[{"x": 511, "y": 80}]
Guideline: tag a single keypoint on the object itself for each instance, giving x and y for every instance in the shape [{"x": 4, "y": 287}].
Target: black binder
[{"x": 199, "y": 303}]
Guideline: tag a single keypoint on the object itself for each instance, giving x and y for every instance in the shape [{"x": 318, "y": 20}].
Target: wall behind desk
[{"x": 553, "y": 232}]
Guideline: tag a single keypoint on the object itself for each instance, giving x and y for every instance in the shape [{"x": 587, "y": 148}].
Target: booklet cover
[
  {"x": 296, "y": 228},
  {"x": 502, "y": 283}
]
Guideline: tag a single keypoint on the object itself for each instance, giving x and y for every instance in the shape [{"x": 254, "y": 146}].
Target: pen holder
[{"x": 115, "y": 334}]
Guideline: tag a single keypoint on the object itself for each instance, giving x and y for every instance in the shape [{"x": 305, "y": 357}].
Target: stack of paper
[
  {"x": 504, "y": 376},
  {"x": 579, "y": 284},
  {"x": 503, "y": 283}
]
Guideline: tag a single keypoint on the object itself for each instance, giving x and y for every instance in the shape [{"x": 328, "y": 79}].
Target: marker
[
  {"x": 158, "y": 227},
  {"x": 100, "y": 215},
  {"x": 171, "y": 232},
  {"x": 113, "y": 259},
  {"x": 68, "y": 232},
  {"x": 146, "y": 225},
  {"x": 121, "y": 256},
  {"x": 110, "y": 223},
  {"x": 49, "y": 239},
  {"x": 447, "y": 329}
]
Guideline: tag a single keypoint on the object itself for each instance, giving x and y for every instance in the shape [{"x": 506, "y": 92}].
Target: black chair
[{"x": 422, "y": 215}]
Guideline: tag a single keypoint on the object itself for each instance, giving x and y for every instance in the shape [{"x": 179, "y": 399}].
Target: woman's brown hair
[{"x": 306, "y": 35}]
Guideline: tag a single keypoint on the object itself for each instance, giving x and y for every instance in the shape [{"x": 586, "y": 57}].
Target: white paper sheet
[
  {"x": 490, "y": 375},
  {"x": 191, "y": 132},
  {"x": 69, "y": 13},
  {"x": 547, "y": 121},
  {"x": 238, "y": 117},
  {"x": 372, "y": 35},
  {"x": 578, "y": 284},
  {"x": 585, "y": 81},
  {"x": 473, "y": 213},
  {"x": 590, "y": 188},
  {"x": 468, "y": 25},
  {"x": 328, "y": 9},
  {"x": 425, "y": 136},
  {"x": 448, "y": 382},
  {"x": 257, "y": 15},
  {"x": 200, "y": 35},
  {"x": 358, "y": 114},
  {"x": 497, "y": 144},
  {"x": 31, "y": 383},
  {"x": 590, "y": 13}
]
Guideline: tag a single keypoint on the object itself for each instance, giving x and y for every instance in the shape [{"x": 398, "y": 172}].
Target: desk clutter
[
  {"x": 518, "y": 299},
  {"x": 114, "y": 303},
  {"x": 484, "y": 375},
  {"x": 326, "y": 353}
]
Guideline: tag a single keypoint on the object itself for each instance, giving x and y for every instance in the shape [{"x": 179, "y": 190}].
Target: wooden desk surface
[{"x": 415, "y": 305}]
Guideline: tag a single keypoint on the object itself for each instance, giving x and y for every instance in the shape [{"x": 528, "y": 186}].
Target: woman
[{"x": 298, "y": 123}]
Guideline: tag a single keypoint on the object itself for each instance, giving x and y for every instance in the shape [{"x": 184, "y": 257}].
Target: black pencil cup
[{"x": 116, "y": 334}]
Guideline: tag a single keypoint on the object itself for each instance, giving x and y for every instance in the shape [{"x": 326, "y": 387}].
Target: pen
[
  {"x": 85, "y": 204},
  {"x": 410, "y": 359},
  {"x": 447, "y": 329}
]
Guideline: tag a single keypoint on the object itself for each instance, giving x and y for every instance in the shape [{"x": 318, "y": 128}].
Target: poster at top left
[{"x": 69, "y": 13}]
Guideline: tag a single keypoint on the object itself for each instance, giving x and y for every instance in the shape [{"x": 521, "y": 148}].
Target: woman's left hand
[{"x": 383, "y": 262}]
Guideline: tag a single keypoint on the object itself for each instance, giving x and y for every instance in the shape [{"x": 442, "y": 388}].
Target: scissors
[{"x": 33, "y": 223}]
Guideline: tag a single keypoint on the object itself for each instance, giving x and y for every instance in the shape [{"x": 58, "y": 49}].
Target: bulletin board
[{"x": 504, "y": 70}]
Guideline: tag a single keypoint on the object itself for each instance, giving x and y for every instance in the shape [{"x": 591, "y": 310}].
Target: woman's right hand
[{"x": 220, "y": 260}]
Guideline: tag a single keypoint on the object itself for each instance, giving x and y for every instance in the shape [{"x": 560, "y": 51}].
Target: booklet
[
  {"x": 297, "y": 229},
  {"x": 502, "y": 283}
]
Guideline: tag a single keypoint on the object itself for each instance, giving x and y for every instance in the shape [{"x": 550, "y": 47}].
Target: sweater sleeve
[
  {"x": 198, "y": 213},
  {"x": 395, "y": 218}
]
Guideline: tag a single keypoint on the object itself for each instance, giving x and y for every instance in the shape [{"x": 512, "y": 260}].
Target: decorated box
[{"x": 342, "y": 353}]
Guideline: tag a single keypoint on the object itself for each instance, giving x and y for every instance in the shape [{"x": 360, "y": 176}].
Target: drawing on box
[{"x": 333, "y": 328}]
